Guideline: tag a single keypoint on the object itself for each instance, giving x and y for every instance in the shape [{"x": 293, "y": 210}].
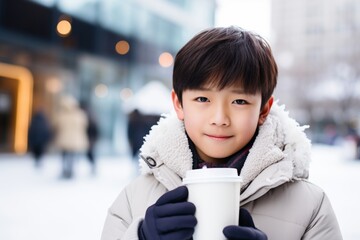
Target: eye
[
  {"x": 202, "y": 99},
  {"x": 240, "y": 102}
]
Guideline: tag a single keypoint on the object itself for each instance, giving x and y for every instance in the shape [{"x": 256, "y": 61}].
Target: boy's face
[{"x": 220, "y": 122}]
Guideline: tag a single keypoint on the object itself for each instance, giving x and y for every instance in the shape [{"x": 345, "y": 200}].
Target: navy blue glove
[
  {"x": 170, "y": 218},
  {"x": 246, "y": 229}
]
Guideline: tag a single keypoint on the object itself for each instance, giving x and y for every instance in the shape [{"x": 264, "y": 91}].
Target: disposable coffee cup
[{"x": 215, "y": 193}]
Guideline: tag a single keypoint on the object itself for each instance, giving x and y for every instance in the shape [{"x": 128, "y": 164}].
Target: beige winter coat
[
  {"x": 281, "y": 201},
  {"x": 70, "y": 127}
]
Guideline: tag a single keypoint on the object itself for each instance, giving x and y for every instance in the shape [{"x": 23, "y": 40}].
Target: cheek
[
  {"x": 193, "y": 121},
  {"x": 254, "y": 120},
  {"x": 248, "y": 123},
  {"x": 191, "y": 114},
  {"x": 192, "y": 130}
]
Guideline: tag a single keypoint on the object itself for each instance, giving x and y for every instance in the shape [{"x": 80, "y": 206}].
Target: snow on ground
[
  {"x": 338, "y": 174},
  {"x": 36, "y": 204}
]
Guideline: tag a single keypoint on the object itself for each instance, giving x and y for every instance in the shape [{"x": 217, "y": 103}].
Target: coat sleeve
[
  {"x": 129, "y": 208},
  {"x": 119, "y": 223},
  {"x": 324, "y": 224}
]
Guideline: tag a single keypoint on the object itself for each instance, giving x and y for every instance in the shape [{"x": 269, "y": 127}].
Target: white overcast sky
[{"x": 251, "y": 15}]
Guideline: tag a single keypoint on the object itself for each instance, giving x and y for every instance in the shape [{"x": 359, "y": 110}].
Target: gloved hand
[
  {"x": 246, "y": 229},
  {"x": 170, "y": 218}
]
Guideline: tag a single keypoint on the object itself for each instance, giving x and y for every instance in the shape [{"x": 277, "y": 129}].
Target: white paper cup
[{"x": 216, "y": 195}]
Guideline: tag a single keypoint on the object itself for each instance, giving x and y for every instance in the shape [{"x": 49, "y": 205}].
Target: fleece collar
[{"x": 280, "y": 138}]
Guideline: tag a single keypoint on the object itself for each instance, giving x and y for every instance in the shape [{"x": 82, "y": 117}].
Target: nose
[{"x": 220, "y": 116}]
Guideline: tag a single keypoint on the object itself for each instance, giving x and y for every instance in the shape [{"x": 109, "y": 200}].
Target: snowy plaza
[{"x": 37, "y": 204}]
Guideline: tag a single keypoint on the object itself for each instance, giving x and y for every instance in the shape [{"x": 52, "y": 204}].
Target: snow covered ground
[
  {"x": 36, "y": 204},
  {"x": 338, "y": 174}
]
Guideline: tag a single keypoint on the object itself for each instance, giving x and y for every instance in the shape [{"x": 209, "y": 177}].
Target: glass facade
[
  {"x": 156, "y": 21},
  {"x": 86, "y": 62}
]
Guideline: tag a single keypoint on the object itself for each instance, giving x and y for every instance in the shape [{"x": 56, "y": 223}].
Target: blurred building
[
  {"x": 316, "y": 45},
  {"x": 100, "y": 51}
]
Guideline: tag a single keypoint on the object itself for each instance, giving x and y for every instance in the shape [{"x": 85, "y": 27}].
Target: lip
[{"x": 218, "y": 137}]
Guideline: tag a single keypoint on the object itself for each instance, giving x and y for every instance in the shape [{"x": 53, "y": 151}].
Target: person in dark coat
[
  {"x": 92, "y": 132},
  {"x": 39, "y": 136},
  {"x": 139, "y": 126}
]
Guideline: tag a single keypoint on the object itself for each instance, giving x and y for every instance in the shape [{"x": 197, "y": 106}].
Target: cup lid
[{"x": 204, "y": 175}]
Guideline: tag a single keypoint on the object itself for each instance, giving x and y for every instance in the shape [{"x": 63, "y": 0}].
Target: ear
[
  {"x": 177, "y": 105},
  {"x": 265, "y": 110}
]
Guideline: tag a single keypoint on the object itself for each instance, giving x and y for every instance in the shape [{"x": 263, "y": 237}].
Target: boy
[{"x": 223, "y": 81}]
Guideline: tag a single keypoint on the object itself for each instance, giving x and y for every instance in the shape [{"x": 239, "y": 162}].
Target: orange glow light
[
  {"x": 63, "y": 28},
  {"x": 23, "y": 103},
  {"x": 166, "y": 59},
  {"x": 122, "y": 47}
]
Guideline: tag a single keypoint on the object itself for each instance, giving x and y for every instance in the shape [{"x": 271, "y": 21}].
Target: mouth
[{"x": 218, "y": 137}]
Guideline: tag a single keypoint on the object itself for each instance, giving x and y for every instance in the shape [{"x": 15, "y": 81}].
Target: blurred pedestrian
[
  {"x": 39, "y": 136},
  {"x": 353, "y": 135},
  {"x": 71, "y": 139},
  {"x": 144, "y": 110},
  {"x": 92, "y": 132},
  {"x": 139, "y": 126}
]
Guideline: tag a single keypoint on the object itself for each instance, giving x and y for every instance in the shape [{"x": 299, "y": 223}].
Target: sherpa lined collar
[{"x": 279, "y": 138}]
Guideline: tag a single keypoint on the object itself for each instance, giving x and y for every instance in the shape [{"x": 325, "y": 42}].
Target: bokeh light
[
  {"x": 126, "y": 94},
  {"x": 63, "y": 28},
  {"x": 122, "y": 47},
  {"x": 101, "y": 90},
  {"x": 166, "y": 59}
]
